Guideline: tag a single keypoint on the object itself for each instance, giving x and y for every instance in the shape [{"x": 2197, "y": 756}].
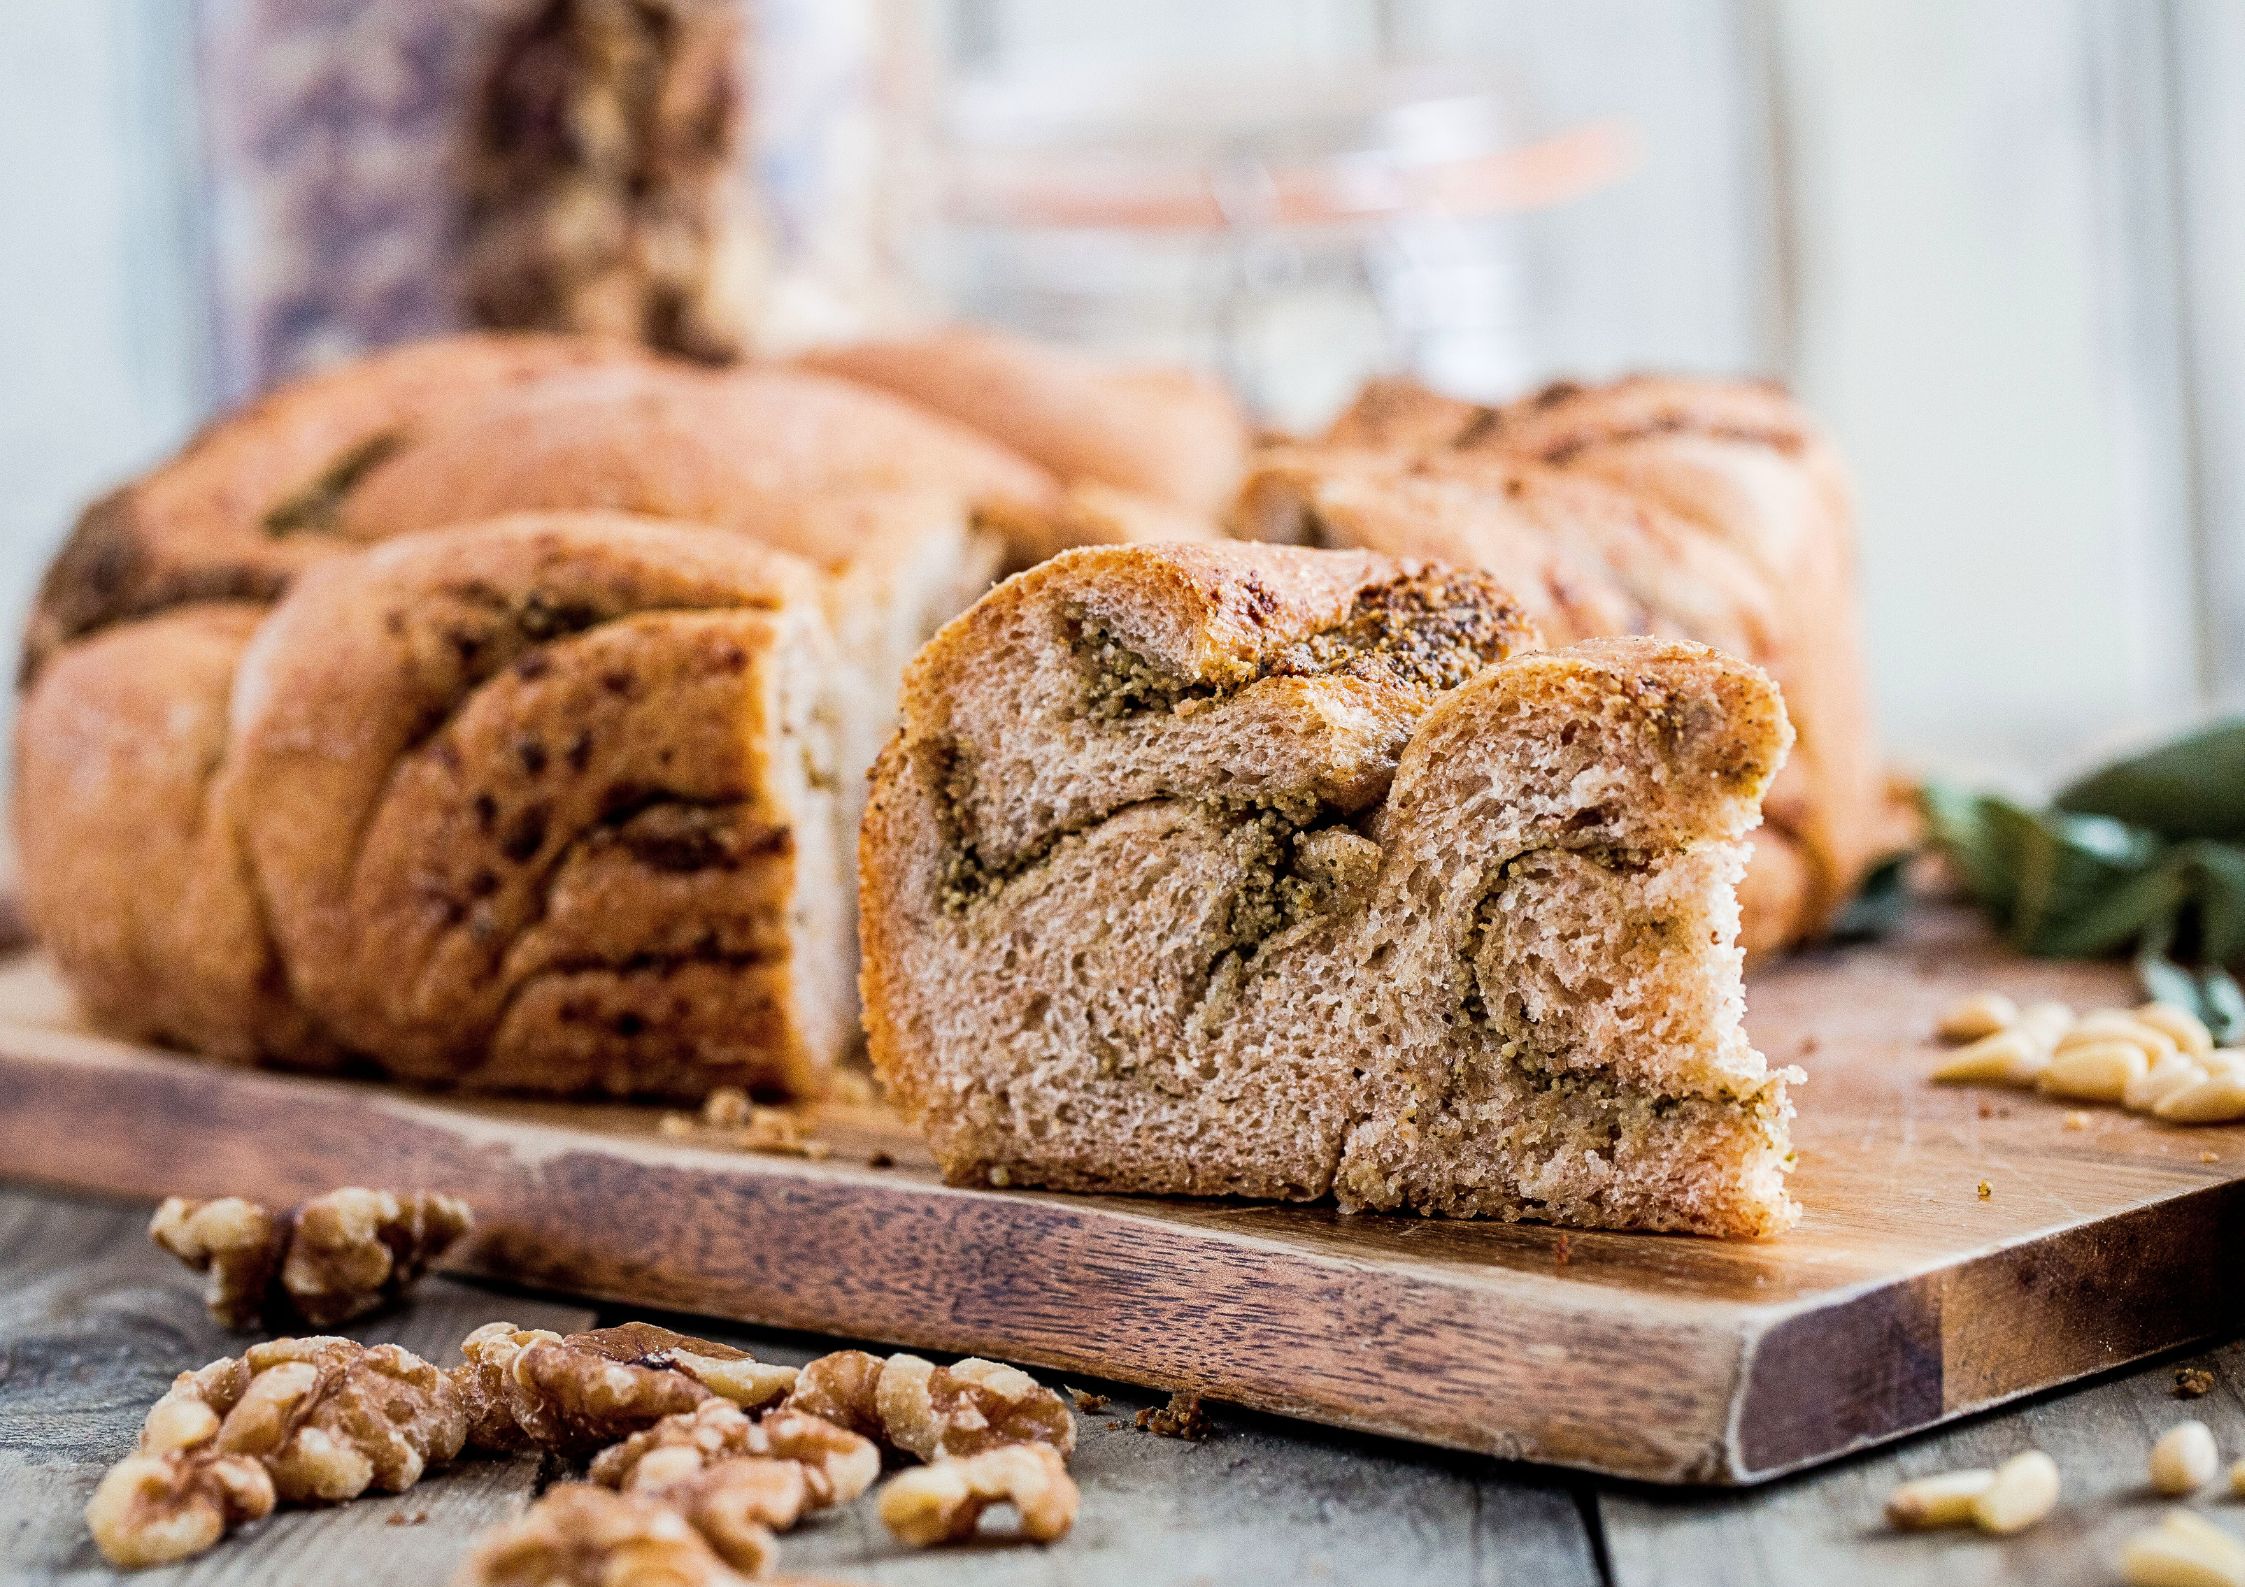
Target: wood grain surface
[
  {"x": 1903, "y": 1299},
  {"x": 93, "y": 1320}
]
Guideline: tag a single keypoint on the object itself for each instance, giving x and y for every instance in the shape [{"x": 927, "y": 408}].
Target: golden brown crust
[
  {"x": 542, "y": 804},
  {"x": 143, "y": 898},
  {"x": 234, "y": 515},
  {"x": 526, "y": 811},
  {"x": 1166, "y": 435},
  {"x": 756, "y": 451},
  {"x": 1699, "y": 509}
]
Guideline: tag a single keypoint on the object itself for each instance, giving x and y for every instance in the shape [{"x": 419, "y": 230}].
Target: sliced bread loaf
[{"x": 1253, "y": 870}]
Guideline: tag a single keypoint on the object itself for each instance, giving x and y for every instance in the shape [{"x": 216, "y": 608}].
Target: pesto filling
[{"x": 1426, "y": 633}]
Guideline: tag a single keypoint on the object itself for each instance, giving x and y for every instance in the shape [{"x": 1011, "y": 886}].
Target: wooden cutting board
[{"x": 1905, "y": 1297}]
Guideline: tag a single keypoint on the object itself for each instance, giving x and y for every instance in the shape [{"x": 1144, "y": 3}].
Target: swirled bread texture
[
  {"x": 1689, "y": 509},
  {"x": 1250, "y": 870},
  {"x": 210, "y": 786},
  {"x": 545, "y": 804}
]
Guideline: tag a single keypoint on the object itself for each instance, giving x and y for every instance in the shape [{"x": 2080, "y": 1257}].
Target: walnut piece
[
  {"x": 910, "y": 1404},
  {"x": 327, "y": 1260},
  {"x": 581, "y": 1535},
  {"x": 942, "y": 1502},
  {"x": 837, "y": 1465},
  {"x": 292, "y": 1420},
  {"x": 153, "y": 1509},
  {"x": 528, "y": 1388}
]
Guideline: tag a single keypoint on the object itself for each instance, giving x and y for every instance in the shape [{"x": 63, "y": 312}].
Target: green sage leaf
[{"x": 2192, "y": 788}]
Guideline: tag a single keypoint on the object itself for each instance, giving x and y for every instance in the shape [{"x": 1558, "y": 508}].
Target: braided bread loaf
[
  {"x": 1690, "y": 509},
  {"x": 494, "y": 712},
  {"x": 1261, "y": 871}
]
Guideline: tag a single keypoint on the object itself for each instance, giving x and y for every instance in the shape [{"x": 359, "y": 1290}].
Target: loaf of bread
[
  {"x": 1250, "y": 870},
  {"x": 1692, "y": 509},
  {"x": 546, "y": 803},
  {"x": 544, "y": 771}
]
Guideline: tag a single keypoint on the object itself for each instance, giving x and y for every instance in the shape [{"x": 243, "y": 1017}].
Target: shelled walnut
[
  {"x": 910, "y": 1404},
  {"x": 289, "y": 1421},
  {"x": 580, "y": 1535},
  {"x": 943, "y": 1502},
  {"x": 528, "y": 1388},
  {"x": 837, "y": 1464},
  {"x": 323, "y": 1262}
]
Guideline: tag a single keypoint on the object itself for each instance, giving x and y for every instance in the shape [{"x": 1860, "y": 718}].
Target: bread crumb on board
[
  {"x": 1183, "y": 1417},
  {"x": 729, "y": 1118}
]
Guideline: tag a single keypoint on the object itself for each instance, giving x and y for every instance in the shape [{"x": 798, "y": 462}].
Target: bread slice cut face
[{"x": 1261, "y": 871}]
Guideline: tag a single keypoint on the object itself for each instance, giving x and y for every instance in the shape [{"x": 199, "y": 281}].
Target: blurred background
[{"x": 1998, "y": 245}]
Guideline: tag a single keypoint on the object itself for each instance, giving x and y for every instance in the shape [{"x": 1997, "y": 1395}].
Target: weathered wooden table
[{"x": 94, "y": 1322}]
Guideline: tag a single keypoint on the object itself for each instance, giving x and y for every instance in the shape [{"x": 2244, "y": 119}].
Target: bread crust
[
  {"x": 1165, "y": 435},
  {"x": 756, "y": 451},
  {"x": 1699, "y": 509},
  {"x": 290, "y": 916},
  {"x": 539, "y": 804},
  {"x": 195, "y": 529},
  {"x": 143, "y": 899},
  {"x": 1096, "y": 958}
]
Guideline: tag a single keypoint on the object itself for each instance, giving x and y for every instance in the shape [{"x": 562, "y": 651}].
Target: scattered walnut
[
  {"x": 943, "y": 1502},
  {"x": 736, "y": 1506},
  {"x": 1182, "y": 1417},
  {"x": 581, "y": 1535},
  {"x": 837, "y": 1464},
  {"x": 236, "y": 1242},
  {"x": 840, "y": 1388},
  {"x": 724, "y": 1370},
  {"x": 913, "y": 1405},
  {"x": 533, "y": 1389},
  {"x": 153, "y": 1509},
  {"x": 332, "y": 1258},
  {"x": 290, "y": 1420},
  {"x": 1088, "y": 1402},
  {"x": 2193, "y": 1383}
]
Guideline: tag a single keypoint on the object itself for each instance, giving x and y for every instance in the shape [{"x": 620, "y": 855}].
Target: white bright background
[{"x": 1999, "y": 245}]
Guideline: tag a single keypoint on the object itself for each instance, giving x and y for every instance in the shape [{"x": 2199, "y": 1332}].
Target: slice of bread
[{"x": 1251, "y": 870}]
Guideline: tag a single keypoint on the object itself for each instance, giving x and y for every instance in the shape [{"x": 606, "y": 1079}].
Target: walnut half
[
  {"x": 912, "y": 1405},
  {"x": 527, "y": 1388},
  {"x": 580, "y": 1535},
  {"x": 837, "y": 1464},
  {"x": 943, "y": 1501},
  {"x": 323, "y": 1262},
  {"x": 291, "y": 1421}
]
